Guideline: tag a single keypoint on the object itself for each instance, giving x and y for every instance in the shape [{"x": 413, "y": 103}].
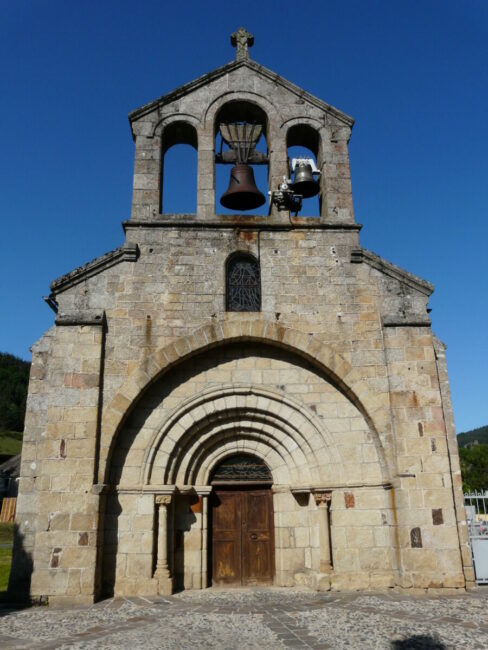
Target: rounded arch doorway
[{"x": 242, "y": 530}]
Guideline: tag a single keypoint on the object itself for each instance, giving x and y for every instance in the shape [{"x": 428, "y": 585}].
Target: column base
[{"x": 165, "y": 582}]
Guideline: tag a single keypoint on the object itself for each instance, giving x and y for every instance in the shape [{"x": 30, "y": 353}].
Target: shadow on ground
[
  {"x": 17, "y": 596},
  {"x": 419, "y": 642}
]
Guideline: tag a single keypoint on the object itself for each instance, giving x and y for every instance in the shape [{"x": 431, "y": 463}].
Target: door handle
[{"x": 253, "y": 536}]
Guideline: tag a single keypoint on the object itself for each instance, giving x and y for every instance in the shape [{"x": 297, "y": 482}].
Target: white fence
[{"x": 476, "y": 504}]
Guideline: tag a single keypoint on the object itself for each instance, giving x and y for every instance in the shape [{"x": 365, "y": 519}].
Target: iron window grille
[{"x": 243, "y": 286}]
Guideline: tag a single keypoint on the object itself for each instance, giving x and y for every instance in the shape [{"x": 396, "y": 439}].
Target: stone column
[
  {"x": 162, "y": 573},
  {"x": 204, "y": 492},
  {"x": 322, "y": 501}
]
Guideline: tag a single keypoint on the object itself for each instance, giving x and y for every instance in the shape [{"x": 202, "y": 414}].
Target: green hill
[
  {"x": 474, "y": 436},
  {"x": 14, "y": 379},
  {"x": 473, "y": 455},
  {"x": 10, "y": 443}
]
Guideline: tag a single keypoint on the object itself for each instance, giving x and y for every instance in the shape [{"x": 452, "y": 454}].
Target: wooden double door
[{"x": 242, "y": 536}]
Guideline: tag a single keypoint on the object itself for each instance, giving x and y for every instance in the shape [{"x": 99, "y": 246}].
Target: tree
[
  {"x": 14, "y": 380},
  {"x": 474, "y": 467}
]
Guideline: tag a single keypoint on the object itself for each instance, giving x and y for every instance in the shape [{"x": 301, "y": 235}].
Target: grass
[
  {"x": 6, "y": 536},
  {"x": 5, "y": 561},
  {"x": 6, "y": 533},
  {"x": 10, "y": 442}
]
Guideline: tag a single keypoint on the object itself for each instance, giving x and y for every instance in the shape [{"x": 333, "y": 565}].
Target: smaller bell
[{"x": 304, "y": 182}]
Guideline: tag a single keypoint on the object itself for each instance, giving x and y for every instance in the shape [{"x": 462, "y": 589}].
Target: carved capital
[
  {"x": 322, "y": 498},
  {"x": 162, "y": 499}
]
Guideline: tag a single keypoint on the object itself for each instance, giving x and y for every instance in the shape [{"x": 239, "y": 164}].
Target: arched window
[{"x": 243, "y": 283}]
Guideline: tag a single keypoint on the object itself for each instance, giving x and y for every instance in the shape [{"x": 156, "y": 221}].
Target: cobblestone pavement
[{"x": 256, "y": 618}]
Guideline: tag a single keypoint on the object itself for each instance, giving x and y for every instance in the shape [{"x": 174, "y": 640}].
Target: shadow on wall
[
  {"x": 184, "y": 520},
  {"x": 419, "y": 642},
  {"x": 18, "y": 593},
  {"x": 112, "y": 512}
]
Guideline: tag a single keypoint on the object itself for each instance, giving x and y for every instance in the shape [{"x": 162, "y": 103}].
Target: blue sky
[{"x": 414, "y": 75}]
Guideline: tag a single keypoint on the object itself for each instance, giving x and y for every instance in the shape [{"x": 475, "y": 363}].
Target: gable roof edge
[
  {"x": 359, "y": 255},
  {"x": 312, "y": 99},
  {"x": 125, "y": 253},
  {"x": 229, "y": 67}
]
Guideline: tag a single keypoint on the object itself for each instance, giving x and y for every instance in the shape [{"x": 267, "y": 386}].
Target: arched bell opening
[
  {"x": 241, "y": 159},
  {"x": 179, "y": 163},
  {"x": 303, "y": 148}
]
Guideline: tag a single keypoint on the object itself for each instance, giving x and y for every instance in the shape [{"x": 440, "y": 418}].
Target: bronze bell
[
  {"x": 304, "y": 182},
  {"x": 242, "y": 193}
]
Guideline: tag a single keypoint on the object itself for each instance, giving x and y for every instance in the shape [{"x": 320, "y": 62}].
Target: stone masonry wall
[
  {"x": 66, "y": 537},
  {"x": 343, "y": 335},
  {"x": 178, "y": 284}
]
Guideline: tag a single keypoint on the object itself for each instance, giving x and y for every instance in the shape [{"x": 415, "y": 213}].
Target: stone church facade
[{"x": 173, "y": 442}]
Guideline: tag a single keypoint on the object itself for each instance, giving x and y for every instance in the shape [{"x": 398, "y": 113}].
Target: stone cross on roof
[{"x": 242, "y": 40}]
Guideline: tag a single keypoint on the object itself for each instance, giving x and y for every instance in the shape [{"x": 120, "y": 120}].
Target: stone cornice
[
  {"x": 125, "y": 253},
  {"x": 406, "y": 320},
  {"x": 306, "y": 489},
  {"x": 242, "y": 223},
  {"x": 360, "y": 255},
  {"x": 86, "y": 317},
  {"x": 229, "y": 67}
]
